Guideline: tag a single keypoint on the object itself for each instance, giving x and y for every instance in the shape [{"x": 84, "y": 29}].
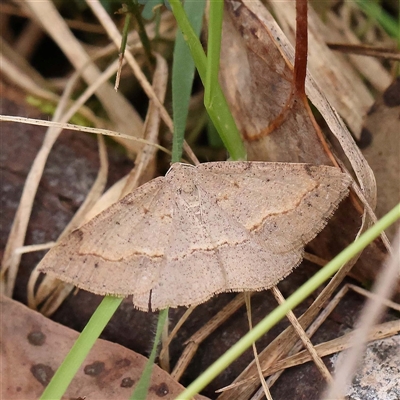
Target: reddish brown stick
[{"x": 300, "y": 62}]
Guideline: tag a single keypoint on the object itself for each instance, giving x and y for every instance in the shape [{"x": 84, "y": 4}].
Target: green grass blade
[
  {"x": 291, "y": 302},
  {"x": 67, "y": 370},
  {"x": 219, "y": 113},
  {"x": 142, "y": 387},
  {"x": 182, "y": 76},
  {"x": 125, "y": 31},
  {"x": 376, "y": 12},
  {"x": 134, "y": 7},
  {"x": 213, "y": 49}
]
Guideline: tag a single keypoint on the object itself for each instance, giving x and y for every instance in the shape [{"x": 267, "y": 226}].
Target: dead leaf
[
  {"x": 381, "y": 147},
  {"x": 217, "y": 227},
  {"x": 257, "y": 81},
  {"x": 33, "y": 347},
  {"x": 341, "y": 82},
  {"x": 256, "y": 75}
]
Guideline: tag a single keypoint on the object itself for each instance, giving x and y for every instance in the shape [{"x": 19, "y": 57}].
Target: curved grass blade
[
  {"x": 142, "y": 387},
  {"x": 219, "y": 111},
  {"x": 74, "y": 359},
  {"x": 182, "y": 76},
  {"x": 291, "y": 302},
  {"x": 377, "y": 13}
]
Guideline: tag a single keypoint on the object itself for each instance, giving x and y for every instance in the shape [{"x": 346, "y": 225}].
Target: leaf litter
[
  {"x": 217, "y": 227},
  {"x": 36, "y": 346},
  {"x": 367, "y": 185}
]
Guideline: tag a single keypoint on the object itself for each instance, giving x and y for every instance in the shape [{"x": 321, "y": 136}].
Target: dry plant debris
[
  {"x": 380, "y": 145},
  {"x": 299, "y": 144},
  {"x": 36, "y": 346},
  {"x": 217, "y": 227}
]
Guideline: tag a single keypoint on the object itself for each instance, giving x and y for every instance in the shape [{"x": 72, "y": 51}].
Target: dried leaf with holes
[{"x": 198, "y": 231}]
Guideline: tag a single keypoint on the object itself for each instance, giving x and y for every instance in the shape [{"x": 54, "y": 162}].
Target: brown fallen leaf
[
  {"x": 366, "y": 50},
  {"x": 216, "y": 227},
  {"x": 256, "y": 75},
  {"x": 276, "y": 123},
  {"x": 33, "y": 347},
  {"x": 380, "y": 145},
  {"x": 257, "y": 80},
  {"x": 331, "y": 71}
]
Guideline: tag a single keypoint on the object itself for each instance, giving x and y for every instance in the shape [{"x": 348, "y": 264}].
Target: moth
[{"x": 200, "y": 230}]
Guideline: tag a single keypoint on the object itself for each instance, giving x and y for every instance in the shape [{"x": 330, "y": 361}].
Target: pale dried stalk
[
  {"x": 28, "y": 40},
  {"x": 11, "y": 260},
  {"x": 315, "y": 259},
  {"x": 85, "y": 129},
  {"x": 303, "y": 337},
  {"x": 381, "y": 331},
  {"x": 283, "y": 343},
  {"x": 18, "y": 231},
  {"x": 46, "y": 290},
  {"x": 388, "y": 303},
  {"x": 369, "y": 67},
  {"x": 383, "y": 289},
  {"x": 115, "y": 36},
  {"x": 264, "y": 385},
  {"x": 34, "y": 247},
  {"x": 151, "y": 128},
  {"x": 165, "y": 360},
  {"x": 203, "y": 333},
  {"x": 118, "y": 109},
  {"x": 174, "y": 331}
]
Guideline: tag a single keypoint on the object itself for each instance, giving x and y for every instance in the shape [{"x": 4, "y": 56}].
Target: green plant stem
[
  {"x": 134, "y": 7},
  {"x": 213, "y": 49},
  {"x": 142, "y": 387},
  {"x": 291, "y": 302},
  {"x": 74, "y": 359},
  {"x": 377, "y": 13},
  {"x": 125, "y": 31},
  {"x": 219, "y": 111},
  {"x": 182, "y": 77}
]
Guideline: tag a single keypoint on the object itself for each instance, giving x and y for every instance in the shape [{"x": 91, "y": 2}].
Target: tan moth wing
[
  {"x": 117, "y": 252},
  {"x": 217, "y": 227},
  {"x": 286, "y": 204}
]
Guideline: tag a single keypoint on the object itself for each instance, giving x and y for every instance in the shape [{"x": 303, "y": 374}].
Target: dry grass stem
[
  {"x": 167, "y": 342},
  {"x": 200, "y": 335},
  {"x": 125, "y": 118},
  {"x": 303, "y": 337},
  {"x": 48, "y": 284},
  {"x": 85, "y": 129},
  {"x": 264, "y": 385},
  {"x": 383, "y": 289},
  {"x": 145, "y": 161},
  {"x": 297, "y": 357},
  {"x": 34, "y": 247},
  {"x": 11, "y": 260}
]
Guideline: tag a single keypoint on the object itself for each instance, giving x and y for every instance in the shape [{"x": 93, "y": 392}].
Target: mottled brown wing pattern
[{"x": 178, "y": 240}]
